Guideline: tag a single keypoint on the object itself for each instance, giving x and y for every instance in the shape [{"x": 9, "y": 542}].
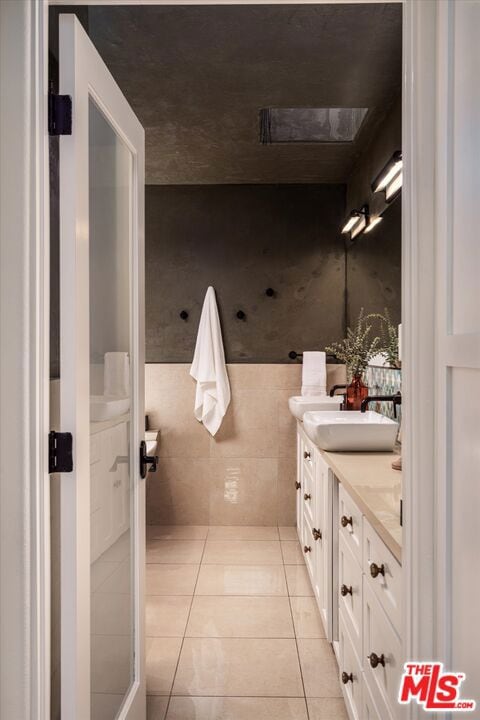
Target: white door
[
  {"x": 102, "y": 359},
  {"x": 458, "y": 348}
]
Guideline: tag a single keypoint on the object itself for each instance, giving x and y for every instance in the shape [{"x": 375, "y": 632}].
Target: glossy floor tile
[
  {"x": 306, "y": 618},
  {"x": 242, "y": 532},
  {"x": 233, "y": 629},
  {"x": 240, "y": 617},
  {"x": 161, "y": 661},
  {"x": 288, "y": 533},
  {"x": 243, "y": 552},
  {"x": 292, "y": 553},
  {"x": 156, "y": 707},
  {"x": 241, "y": 580},
  {"x": 319, "y": 668},
  {"x": 175, "y": 551},
  {"x": 236, "y": 708},
  {"x": 166, "y": 616},
  {"x": 177, "y": 532},
  {"x": 327, "y": 709},
  {"x": 265, "y": 668},
  {"x": 171, "y": 578},
  {"x": 298, "y": 581}
]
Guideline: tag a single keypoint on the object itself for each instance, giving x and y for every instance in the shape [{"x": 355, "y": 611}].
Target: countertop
[{"x": 376, "y": 488}]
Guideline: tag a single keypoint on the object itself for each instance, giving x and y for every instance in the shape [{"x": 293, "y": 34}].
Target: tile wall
[{"x": 243, "y": 476}]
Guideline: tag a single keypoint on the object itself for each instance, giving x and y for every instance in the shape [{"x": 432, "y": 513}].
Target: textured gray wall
[
  {"x": 242, "y": 239},
  {"x": 374, "y": 260},
  {"x": 374, "y": 157}
]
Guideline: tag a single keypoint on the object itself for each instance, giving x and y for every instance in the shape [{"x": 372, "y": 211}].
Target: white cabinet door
[{"x": 101, "y": 311}]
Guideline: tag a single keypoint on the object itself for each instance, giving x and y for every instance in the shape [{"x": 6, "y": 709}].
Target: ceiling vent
[{"x": 310, "y": 125}]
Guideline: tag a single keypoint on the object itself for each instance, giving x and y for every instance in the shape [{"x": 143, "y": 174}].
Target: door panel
[
  {"x": 458, "y": 322},
  {"x": 102, "y": 402}
]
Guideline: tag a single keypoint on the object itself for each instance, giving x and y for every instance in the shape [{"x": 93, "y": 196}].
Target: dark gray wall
[
  {"x": 374, "y": 266},
  {"x": 375, "y": 155},
  {"x": 242, "y": 239},
  {"x": 374, "y": 260}
]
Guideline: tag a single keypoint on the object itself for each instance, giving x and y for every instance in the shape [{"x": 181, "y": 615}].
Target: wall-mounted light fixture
[
  {"x": 357, "y": 222},
  {"x": 389, "y": 180},
  {"x": 373, "y": 222}
]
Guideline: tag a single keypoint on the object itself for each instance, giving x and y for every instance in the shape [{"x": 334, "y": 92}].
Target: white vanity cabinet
[
  {"x": 314, "y": 523},
  {"x": 109, "y": 484},
  {"x": 369, "y": 598},
  {"x": 356, "y": 580}
]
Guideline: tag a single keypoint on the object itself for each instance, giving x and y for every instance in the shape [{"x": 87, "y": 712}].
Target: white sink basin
[
  {"x": 106, "y": 407},
  {"x": 350, "y": 430},
  {"x": 300, "y": 404}
]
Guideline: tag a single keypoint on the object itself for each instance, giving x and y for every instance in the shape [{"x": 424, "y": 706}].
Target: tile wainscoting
[{"x": 243, "y": 476}]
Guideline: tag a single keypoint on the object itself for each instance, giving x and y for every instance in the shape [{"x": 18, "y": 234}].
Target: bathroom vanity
[{"x": 348, "y": 521}]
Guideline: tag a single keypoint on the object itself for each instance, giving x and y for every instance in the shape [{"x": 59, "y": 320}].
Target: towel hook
[
  {"x": 269, "y": 292},
  {"x": 241, "y": 315},
  {"x": 184, "y": 315},
  {"x": 294, "y": 355}
]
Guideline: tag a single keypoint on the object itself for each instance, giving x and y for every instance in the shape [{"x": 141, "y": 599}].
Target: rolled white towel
[
  {"x": 116, "y": 374},
  {"x": 314, "y": 373}
]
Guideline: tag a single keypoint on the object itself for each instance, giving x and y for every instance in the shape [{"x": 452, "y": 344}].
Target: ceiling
[{"x": 197, "y": 77}]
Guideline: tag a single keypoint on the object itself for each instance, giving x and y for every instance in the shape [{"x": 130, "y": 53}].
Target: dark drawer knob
[
  {"x": 317, "y": 534},
  {"x": 307, "y": 455},
  {"x": 376, "y": 570},
  {"x": 347, "y": 677},
  {"x": 376, "y": 660},
  {"x": 346, "y": 590},
  {"x": 346, "y": 521},
  {"x": 307, "y": 549},
  {"x": 297, "y": 485},
  {"x": 307, "y": 496}
]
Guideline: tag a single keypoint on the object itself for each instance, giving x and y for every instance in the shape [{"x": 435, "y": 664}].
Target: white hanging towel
[
  {"x": 208, "y": 368},
  {"x": 116, "y": 374},
  {"x": 314, "y": 373}
]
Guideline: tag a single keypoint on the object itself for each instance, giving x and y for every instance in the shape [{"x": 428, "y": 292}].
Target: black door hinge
[
  {"x": 59, "y": 114},
  {"x": 60, "y": 457}
]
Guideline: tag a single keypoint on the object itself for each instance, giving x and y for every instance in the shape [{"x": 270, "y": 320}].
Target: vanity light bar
[
  {"x": 357, "y": 222},
  {"x": 394, "y": 187},
  {"x": 390, "y": 175},
  {"x": 373, "y": 223},
  {"x": 352, "y": 220}
]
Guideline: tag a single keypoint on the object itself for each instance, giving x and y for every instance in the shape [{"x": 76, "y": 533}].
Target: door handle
[{"x": 146, "y": 460}]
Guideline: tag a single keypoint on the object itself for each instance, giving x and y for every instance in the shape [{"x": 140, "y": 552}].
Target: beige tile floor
[{"x": 233, "y": 630}]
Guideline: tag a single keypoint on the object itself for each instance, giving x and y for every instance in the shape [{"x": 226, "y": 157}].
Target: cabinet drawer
[
  {"x": 308, "y": 494},
  {"x": 350, "y": 523},
  {"x": 382, "y": 647},
  {"x": 308, "y": 454},
  {"x": 350, "y": 596},
  {"x": 351, "y": 678},
  {"x": 384, "y": 574}
]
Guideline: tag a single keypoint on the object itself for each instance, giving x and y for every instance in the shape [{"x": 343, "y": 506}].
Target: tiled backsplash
[
  {"x": 384, "y": 381},
  {"x": 243, "y": 476}
]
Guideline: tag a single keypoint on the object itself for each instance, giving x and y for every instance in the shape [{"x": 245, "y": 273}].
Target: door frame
[
  {"x": 24, "y": 363},
  {"x": 24, "y": 332}
]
